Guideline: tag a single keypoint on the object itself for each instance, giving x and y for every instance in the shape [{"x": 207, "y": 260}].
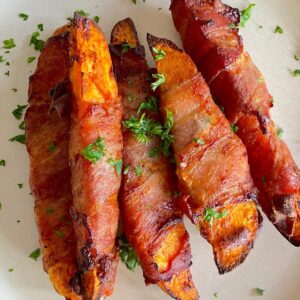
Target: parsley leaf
[
  {"x": 160, "y": 79},
  {"x": 18, "y": 112},
  {"x": 150, "y": 105},
  {"x": 23, "y": 16},
  {"x": 14, "y": 90},
  {"x": 59, "y": 233},
  {"x": 52, "y": 148},
  {"x": 127, "y": 254},
  {"x": 153, "y": 152},
  {"x": 30, "y": 59},
  {"x": 2, "y": 162},
  {"x": 246, "y": 14},
  {"x": 296, "y": 57},
  {"x": 8, "y": 44},
  {"x": 18, "y": 138},
  {"x": 2, "y": 59},
  {"x": 126, "y": 170},
  {"x": 216, "y": 295},
  {"x": 35, "y": 254},
  {"x": 97, "y": 19},
  {"x": 167, "y": 138},
  {"x": 296, "y": 73},
  {"x": 259, "y": 292},
  {"x": 22, "y": 125},
  {"x": 134, "y": 1},
  {"x": 95, "y": 151},
  {"x": 160, "y": 54},
  {"x": 210, "y": 215},
  {"x": 117, "y": 164},
  {"x": 279, "y": 132},
  {"x": 125, "y": 47},
  {"x": 6, "y": 73},
  {"x": 10, "y": 269},
  {"x": 138, "y": 171},
  {"x": 81, "y": 13},
  {"x": 234, "y": 127},
  {"x": 38, "y": 44},
  {"x": 199, "y": 141},
  {"x": 20, "y": 185},
  {"x": 278, "y": 29},
  {"x": 40, "y": 27}
]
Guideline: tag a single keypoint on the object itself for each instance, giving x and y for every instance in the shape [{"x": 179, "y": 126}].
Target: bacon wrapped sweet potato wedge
[
  {"x": 151, "y": 219},
  {"x": 95, "y": 141},
  {"x": 47, "y": 138},
  {"x": 209, "y": 31},
  {"x": 217, "y": 190}
]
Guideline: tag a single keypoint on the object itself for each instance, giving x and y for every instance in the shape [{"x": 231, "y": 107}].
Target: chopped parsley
[
  {"x": 279, "y": 132},
  {"x": 259, "y": 292},
  {"x": 296, "y": 57},
  {"x": 14, "y": 90},
  {"x": 150, "y": 105},
  {"x": 34, "y": 40},
  {"x": 52, "y": 147},
  {"x": 6, "y": 73},
  {"x": 216, "y": 295},
  {"x": 18, "y": 138},
  {"x": 234, "y": 127},
  {"x": 127, "y": 254},
  {"x": 7, "y": 63},
  {"x": 246, "y": 14},
  {"x": 126, "y": 47},
  {"x": 153, "y": 152},
  {"x": 126, "y": 170},
  {"x": 167, "y": 138},
  {"x": 35, "y": 254},
  {"x": 10, "y": 269},
  {"x": 97, "y": 19},
  {"x": 0, "y": 205},
  {"x": 30, "y": 59},
  {"x": 138, "y": 171},
  {"x": 160, "y": 79},
  {"x": 296, "y": 73},
  {"x": 278, "y": 29},
  {"x": 80, "y": 12},
  {"x": 159, "y": 54},
  {"x": 22, "y": 125},
  {"x": 210, "y": 215},
  {"x": 18, "y": 112},
  {"x": 199, "y": 141},
  {"x": 8, "y": 44},
  {"x": 95, "y": 151},
  {"x": 59, "y": 233},
  {"x": 2, "y": 163},
  {"x": 2, "y": 59},
  {"x": 40, "y": 27},
  {"x": 23, "y": 16},
  {"x": 232, "y": 26},
  {"x": 118, "y": 163},
  {"x": 20, "y": 185}
]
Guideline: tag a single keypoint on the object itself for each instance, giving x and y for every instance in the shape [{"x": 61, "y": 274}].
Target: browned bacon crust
[
  {"x": 96, "y": 113},
  {"x": 212, "y": 164},
  {"x": 240, "y": 88},
  {"x": 48, "y": 123},
  {"x": 152, "y": 222}
]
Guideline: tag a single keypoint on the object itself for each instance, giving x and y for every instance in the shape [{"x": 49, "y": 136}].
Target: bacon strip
[
  {"x": 237, "y": 85},
  {"x": 152, "y": 222},
  {"x": 96, "y": 113},
  {"x": 212, "y": 164},
  {"x": 48, "y": 123}
]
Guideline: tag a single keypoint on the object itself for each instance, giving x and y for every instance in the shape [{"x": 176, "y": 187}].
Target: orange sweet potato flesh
[
  {"x": 96, "y": 113},
  {"x": 240, "y": 88},
  {"x": 48, "y": 122},
  {"x": 215, "y": 172},
  {"x": 152, "y": 221}
]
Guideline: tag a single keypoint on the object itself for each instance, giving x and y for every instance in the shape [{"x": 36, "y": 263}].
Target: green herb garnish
[
  {"x": 18, "y": 112},
  {"x": 38, "y": 44},
  {"x": 166, "y": 137},
  {"x": 296, "y": 57},
  {"x": 10, "y": 269},
  {"x": 95, "y": 151},
  {"x": 126, "y": 170},
  {"x": 59, "y": 233},
  {"x": 150, "y": 105},
  {"x": 2, "y": 162},
  {"x": 97, "y": 19},
  {"x": 234, "y": 127},
  {"x": 40, "y": 27},
  {"x": 8, "y": 44},
  {"x": 6, "y": 73},
  {"x": 22, "y": 125},
  {"x": 18, "y": 138},
  {"x": 30, "y": 59},
  {"x": 14, "y": 90},
  {"x": 2, "y": 59},
  {"x": 138, "y": 171},
  {"x": 127, "y": 254},
  {"x": 20, "y": 185},
  {"x": 117, "y": 164},
  {"x": 279, "y": 132},
  {"x": 278, "y": 29},
  {"x": 159, "y": 54},
  {"x": 246, "y": 14},
  {"x": 199, "y": 141},
  {"x": 52, "y": 147},
  {"x": 296, "y": 73},
  {"x": 216, "y": 295},
  {"x": 23, "y": 16},
  {"x": 160, "y": 79},
  {"x": 259, "y": 292},
  {"x": 125, "y": 47},
  {"x": 35, "y": 254},
  {"x": 210, "y": 215},
  {"x": 153, "y": 152}
]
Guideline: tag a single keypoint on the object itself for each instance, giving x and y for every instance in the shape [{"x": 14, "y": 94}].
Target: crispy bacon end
[
  {"x": 151, "y": 219},
  {"x": 217, "y": 190},
  {"x": 96, "y": 114},
  {"x": 237, "y": 85}
]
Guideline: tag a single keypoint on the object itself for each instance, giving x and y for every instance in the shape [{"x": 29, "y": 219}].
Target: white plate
[{"x": 273, "y": 264}]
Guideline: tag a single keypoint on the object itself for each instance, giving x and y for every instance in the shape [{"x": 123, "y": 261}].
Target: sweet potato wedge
[
  {"x": 47, "y": 137},
  {"x": 151, "y": 219},
  {"x": 217, "y": 190},
  {"x": 216, "y": 47},
  {"x": 95, "y": 140}
]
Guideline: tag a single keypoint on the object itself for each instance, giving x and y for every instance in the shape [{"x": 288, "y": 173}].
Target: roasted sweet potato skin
[
  {"x": 151, "y": 219},
  {"x": 247, "y": 104},
  {"x": 212, "y": 164},
  {"x": 96, "y": 113},
  {"x": 48, "y": 123}
]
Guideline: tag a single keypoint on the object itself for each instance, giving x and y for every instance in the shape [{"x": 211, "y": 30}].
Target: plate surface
[{"x": 273, "y": 264}]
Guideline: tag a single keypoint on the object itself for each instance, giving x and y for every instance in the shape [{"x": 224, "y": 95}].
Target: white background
[{"x": 273, "y": 264}]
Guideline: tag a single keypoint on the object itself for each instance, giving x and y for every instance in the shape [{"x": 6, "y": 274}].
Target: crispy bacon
[
  {"x": 96, "y": 113},
  {"x": 212, "y": 164},
  {"x": 50, "y": 177},
  {"x": 152, "y": 222},
  {"x": 240, "y": 88}
]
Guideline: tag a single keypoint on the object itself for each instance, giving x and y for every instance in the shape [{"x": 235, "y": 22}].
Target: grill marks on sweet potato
[
  {"x": 247, "y": 104},
  {"x": 152, "y": 221},
  {"x": 96, "y": 113},
  {"x": 214, "y": 173},
  {"x": 49, "y": 170}
]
